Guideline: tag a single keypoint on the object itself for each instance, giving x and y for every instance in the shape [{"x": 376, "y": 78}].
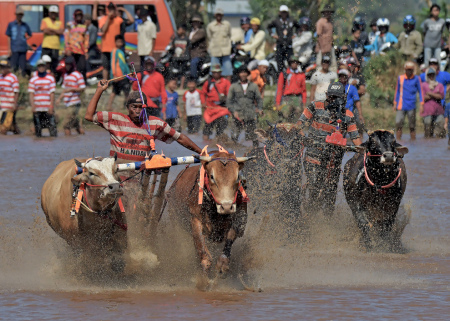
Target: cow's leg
[{"x": 200, "y": 244}]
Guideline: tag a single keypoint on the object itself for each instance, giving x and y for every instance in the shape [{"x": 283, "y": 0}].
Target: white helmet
[{"x": 383, "y": 22}]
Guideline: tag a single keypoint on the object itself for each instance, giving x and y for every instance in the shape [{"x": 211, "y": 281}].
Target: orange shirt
[
  {"x": 108, "y": 38},
  {"x": 255, "y": 77}
]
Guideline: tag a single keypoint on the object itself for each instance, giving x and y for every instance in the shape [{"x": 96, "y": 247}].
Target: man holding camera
[
  {"x": 214, "y": 96},
  {"x": 323, "y": 160}
]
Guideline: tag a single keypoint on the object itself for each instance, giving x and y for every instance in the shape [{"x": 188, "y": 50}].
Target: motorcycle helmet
[
  {"x": 245, "y": 21},
  {"x": 305, "y": 21},
  {"x": 383, "y": 23},
  {"x": 359, "y": 23},
  {"x": 409, "y": 20}
]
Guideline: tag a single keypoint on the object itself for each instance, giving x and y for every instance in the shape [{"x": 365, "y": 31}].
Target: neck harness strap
[{"x": 371, "y": 183}]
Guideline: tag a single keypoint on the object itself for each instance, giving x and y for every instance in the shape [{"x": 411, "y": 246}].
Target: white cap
[
  {"x": 284, "y": 8},
  {"x": 263, "y": 62},
  {"x": 53, "y": 9},
  {"x": 46, "y": 58}
]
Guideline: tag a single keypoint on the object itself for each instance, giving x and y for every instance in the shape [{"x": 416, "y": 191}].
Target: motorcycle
[{"x": 238, "y": 59}]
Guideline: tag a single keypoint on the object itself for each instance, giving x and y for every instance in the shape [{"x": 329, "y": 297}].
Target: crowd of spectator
[{"x": 219, "y": 100}]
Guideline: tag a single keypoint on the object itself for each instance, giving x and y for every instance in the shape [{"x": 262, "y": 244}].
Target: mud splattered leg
[{"x": 200, "y": 244}]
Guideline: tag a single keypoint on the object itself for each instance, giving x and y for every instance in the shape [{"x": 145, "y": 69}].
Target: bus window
[
  {"x": 70, "y": 9},
  {"x": 34, "y": 15},
  {"x": 134, "y": 10}
]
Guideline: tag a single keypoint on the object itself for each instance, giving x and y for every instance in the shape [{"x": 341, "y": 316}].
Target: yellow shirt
[{"x": 50, "y": 41}]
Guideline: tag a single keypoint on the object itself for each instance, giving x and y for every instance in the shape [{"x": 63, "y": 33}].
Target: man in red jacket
[
  {"x": 152, "y": 85},
  {"x": 291, "y": 85},
  {"x": 213, "y": 96}
]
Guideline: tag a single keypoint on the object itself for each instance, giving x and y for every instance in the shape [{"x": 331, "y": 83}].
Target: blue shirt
[
  {"x": 352, "y": 96},
  {"x": 171, "y": 106},
  {"x": 447, "y": 111},
  {"x": 17, "y": 34},
  {"x": 379, "y": 41},
  {"x": 443, "y": 78},
  {"x": 406, "y": 92}
]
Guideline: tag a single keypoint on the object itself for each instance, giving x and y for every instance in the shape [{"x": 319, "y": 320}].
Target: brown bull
[
  {"x": 222, "y": 214},
  {"x": 99, "y": 228}
]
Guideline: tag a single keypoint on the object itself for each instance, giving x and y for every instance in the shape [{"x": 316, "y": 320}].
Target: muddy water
[{"x": 323, "y": 276}]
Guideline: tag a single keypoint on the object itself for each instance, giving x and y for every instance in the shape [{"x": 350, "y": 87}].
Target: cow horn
[
  {"x": 221, "y": 149},
  {"x": 205, "y": 158},
  {"x": 77, "y": 162},
  {"x": 244, "y": 159}
]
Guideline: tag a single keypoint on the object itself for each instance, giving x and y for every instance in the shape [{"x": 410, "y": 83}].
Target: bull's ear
[
  {"x": 262, "y": 135},
  {"x": 77, "y": 180},
  {"x": 402, "y": 150},
  {"x": 77, "y": 162}
]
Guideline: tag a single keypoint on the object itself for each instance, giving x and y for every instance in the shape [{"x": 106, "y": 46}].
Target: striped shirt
[
  {"x": 42, "y": 87},
  {"x": 73, "y": 80},
  {"x": 9, "y": 85},
  {"x": 131, "y": 142}
]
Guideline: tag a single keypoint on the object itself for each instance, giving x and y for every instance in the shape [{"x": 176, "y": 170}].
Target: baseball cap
[
  {"x": 53, "y": 9},
  {"x": 40, "y": 62},
  {"x": 216, "y": 68},
  {"x": 46, "y": 58},
  {"x": 19, "y": 10},
  {"x": 351, "y": 61},
  {"x": 263, "y": 62},
  {"x": 196, "y": 18},
  {"x": 218, "y": 11},
  {"x": 336, "y": 89},
  {"x": 326, "y": 59},
  {"x": 410, "y": 65},
  {"x": 293, "y": 58},
  {"x": 4, "y": 63},
  {"x": 149, "y": 58},
  {"x": 433, "y": 61},
  {"x": 284, "y": 8},
  {"x": 344, "y": 72},
  {"x": 431, "y": 71}
]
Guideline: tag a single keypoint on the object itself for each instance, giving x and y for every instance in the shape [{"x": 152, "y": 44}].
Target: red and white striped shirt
[
  {"x": 9, "y": 85},
  {"x": 73, "y": 80},
  {"x": 42, "y": 87},
  {"x": 130, "y": 141}
]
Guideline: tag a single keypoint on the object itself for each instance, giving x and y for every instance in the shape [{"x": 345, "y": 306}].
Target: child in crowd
[
  {"x": 193, "y": 106},
  {"x": 119, "y": 67},
  {"x": 172, "y": 112},
  {"x": 73, "y": 85}
]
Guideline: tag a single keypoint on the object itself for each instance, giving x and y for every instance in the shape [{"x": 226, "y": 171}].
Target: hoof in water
[{"x": 223, "y": 265}]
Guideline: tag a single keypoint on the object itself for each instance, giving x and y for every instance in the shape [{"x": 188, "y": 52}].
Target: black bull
[{"x": 374, "y": 184}]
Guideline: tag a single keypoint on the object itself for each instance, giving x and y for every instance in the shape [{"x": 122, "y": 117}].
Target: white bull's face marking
[{"x": 103, "y": 172}]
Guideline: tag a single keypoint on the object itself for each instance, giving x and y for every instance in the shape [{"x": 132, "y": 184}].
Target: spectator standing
[
  {"x": 9, "y": 94},
  {"x": 73, "y": 85},
  {"x": 324, "y": 29},
  {"x": 219, "y": 35},
  {"x": 244, "y": 102},
  {"x": 146, "y": 36},
  {"x": 432, "y": 110},
  {"x": 257, "y": 42},
  {"x": 192, "y": 106},
  {"x": 408, "y": 86},
  {"x": 442, "y": 77},
  {"x": 321, "y": 79},
  {"x": 360, "y": 24},
  {"x": 257, "y": 75},
  {"x": 356, "y": 77},
  {"x": 433, "y": 28},
  {"x": 357, "y": 45},
  {"x": 152, "y": 85},
  {"x": 214, "y": 95},
  {"x": 352, "y": 99},
  {"x": 41, "y": 89},
  {"x": 383, "y": 37},
  {"x": 284, "y": 32},
  {"x": 373, "y": 31},
  {"x": 52, "y": 29},
  {"x": 291, "y": 86},
  {"x": 77, "y": 41},
  {"x": 173, "y": 112},
  {"x": 302, "y": 43},
  {"x": 180, "y": 47},
  {"x": 92, "y": 31},
  {"x": 447, "y": 116},
  {"x": 110, "y": 27},
  {"x": 18, "y": 32},
  {"x": 198, "y": 45},
  {"x": 245, "y": 33},
  {"x": 410, "y": 40},
  {"x": 119, "y": 67}
]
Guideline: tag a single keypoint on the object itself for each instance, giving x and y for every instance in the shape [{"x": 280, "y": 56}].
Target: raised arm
[
  {"x": 92, "y": 107},
  {"x": 130, "y": 18}
]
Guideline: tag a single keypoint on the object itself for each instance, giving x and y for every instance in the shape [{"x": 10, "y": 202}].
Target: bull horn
[
  {"x": 221, "y": 149},
  {"x": 205, "y": 158},
  {"x": 77, "y": 162},
  {"x": 244, "y": 159}
]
